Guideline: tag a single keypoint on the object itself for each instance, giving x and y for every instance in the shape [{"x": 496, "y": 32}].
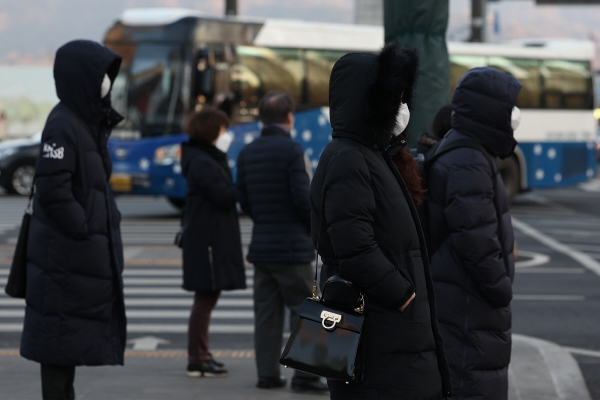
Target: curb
[{"x": 562, "y": 372}]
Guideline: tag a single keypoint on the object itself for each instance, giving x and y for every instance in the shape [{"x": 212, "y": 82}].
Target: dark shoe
[
  {"x": 271, "y": 383},
  {"x": 219, "y": 365},
  {"x": 309, "y": 385},
  {"x": 206, "y": 370}
]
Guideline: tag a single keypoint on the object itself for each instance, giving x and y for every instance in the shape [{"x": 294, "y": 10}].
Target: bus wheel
[
  {"x": 511, "y": 176},
  {"x": 177, "y": 202}
]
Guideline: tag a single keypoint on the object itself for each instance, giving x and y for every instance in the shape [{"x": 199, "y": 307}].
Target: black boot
[{"x": 309, "y": 385}]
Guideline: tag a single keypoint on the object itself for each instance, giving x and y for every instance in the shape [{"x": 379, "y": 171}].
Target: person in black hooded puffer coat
[
  {"x": 371, "y": 233},
  {"x": 75, "y": 313},
  {"x": 473, "y": 266}
]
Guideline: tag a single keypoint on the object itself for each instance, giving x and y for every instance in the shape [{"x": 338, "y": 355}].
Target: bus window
[
  {"x": 460, "y": 64},
  {"x": 154, "y": 92},
  {"x": 528, "y": 73},
  {"x": 319, "y": 64},
  {"x": 259, "y": 70},
  {"x": 567, "y": 84}
]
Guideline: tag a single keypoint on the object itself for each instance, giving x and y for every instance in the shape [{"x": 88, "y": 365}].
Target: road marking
[
  {"x": 161, "y": 353},
  {"x": 129, "y": 302},
  {"x": 170, "y": 291},
  {"x": 147, "y": 343},
  {"x": 548, "y": 297},
  {"x": 536, "y": 259},
  {"x": 591, "y": 186},
  {"x": 155, "y": 314},
  {"x": 583, "y": 352},
  {"x": 582, "y": 258},
  {"x": 551, "y": 270},
  {"x": 159, "y": 328}
]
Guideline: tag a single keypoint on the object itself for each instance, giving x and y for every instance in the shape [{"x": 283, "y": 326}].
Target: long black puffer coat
[
  {"x": 473, "y": 268},
  {"x": 273, "y": 188},
  {"x": 371, "y": 233},
  {"x": 75, "y": 313},
  {"x": 212, "y": 247}
]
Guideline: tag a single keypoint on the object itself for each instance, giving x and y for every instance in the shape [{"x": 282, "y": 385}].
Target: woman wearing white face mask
[
  {"x": 366, "y": 228},
  {"x": 212, "y": 249}
]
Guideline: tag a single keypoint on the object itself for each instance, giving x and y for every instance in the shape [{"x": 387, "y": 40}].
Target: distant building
[{"x": 368, "y": 12}]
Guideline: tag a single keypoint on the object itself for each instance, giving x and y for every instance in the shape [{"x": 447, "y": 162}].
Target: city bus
[{"x": 177, "y": 60}]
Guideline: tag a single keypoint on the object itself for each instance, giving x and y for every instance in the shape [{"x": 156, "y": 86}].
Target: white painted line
[
  {"x": 183, "y": 328},
  {"x": 160, "y": 328},
  {"x": 582, "y": 258},
  {"x": 548, "y": 297},
  {"x": 564, "y": 370},
  {"x": 551, "y": 270},
  {"x": 536, "y": 259},
  {"x": 155, "y": 314},
  {"x": 11, "y": 327},
  {"x": 583, "y": 352},
  {"x": 161, "y": 282},
  {"x": 170, "y": 291},
  {"x": 135, "y": 302}
]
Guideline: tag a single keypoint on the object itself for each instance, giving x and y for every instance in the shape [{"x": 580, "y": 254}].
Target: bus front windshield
[{"x": 148, "y": 90}]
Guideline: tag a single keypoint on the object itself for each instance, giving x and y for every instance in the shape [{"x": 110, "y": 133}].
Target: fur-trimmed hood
[{"x": 365, "y": 91}]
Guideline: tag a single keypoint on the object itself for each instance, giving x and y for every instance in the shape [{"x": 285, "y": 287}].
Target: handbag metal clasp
[{"x": 332, "y": 317}]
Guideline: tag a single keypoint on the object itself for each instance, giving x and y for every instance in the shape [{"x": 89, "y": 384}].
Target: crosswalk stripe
[
  {"x": 155, "y": 314},
  {"x": 158, "y": 328},
  {"x": 167, "y": 291},
  {"x": 129, "y": 302}
]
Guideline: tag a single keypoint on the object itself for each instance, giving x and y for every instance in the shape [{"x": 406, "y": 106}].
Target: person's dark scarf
[{"x": 215, "y": 153}]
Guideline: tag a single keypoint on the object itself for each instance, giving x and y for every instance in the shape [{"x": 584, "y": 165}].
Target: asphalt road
[{"x": 557, "y": 285}]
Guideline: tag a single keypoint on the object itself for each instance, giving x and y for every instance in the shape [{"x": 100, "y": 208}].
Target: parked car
[{"x": 17, "y": 163}]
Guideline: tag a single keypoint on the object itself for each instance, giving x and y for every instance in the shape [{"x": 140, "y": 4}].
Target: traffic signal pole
[
  {"x": 478, "y": 25},
  {"x": 231, "y": 7}
]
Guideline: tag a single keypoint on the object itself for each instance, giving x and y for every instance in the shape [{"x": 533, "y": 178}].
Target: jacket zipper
[{"x": 212, "y": 267}]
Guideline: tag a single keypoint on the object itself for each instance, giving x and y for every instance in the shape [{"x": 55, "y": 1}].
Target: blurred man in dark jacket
[
  {"x": 469, "y": 221},
  {"x": 75, "y": 313},
  {"x": 273, "y": 189}
]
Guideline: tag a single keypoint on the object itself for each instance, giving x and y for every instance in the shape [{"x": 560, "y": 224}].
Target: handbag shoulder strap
[{"x": 323, "y": 194}]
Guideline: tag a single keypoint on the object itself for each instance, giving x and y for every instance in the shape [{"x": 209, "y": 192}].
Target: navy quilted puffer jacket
[{"x": 473, "y": 269}]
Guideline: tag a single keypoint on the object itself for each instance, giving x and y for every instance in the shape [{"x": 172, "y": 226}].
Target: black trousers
[
  {"x": 277, "y": 286},
  {"x": 57, "y": 382}
]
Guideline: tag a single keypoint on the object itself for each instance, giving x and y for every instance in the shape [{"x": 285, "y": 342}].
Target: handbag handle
[{"x": 323, "y": 194}]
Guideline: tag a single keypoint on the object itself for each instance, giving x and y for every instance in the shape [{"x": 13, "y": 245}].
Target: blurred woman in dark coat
[
  {"x": 371, "y": 232},
  {"x": 212, "y": 248}
]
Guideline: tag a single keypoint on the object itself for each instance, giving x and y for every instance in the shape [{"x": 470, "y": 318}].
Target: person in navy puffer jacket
[
  {"x": 75, "y": 313},
  {"x": 469, "y": 220},
  {"x": 273, "y": 189}
]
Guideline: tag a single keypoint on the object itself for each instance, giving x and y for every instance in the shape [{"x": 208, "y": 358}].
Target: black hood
[
  {"x": 79, "y": 69},
  {"x": 482, "y": 106},
  {"x": 365, "y": 91}
]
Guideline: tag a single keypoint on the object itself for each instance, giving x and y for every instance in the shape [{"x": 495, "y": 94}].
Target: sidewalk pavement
[{"x": 539, "y": 370}]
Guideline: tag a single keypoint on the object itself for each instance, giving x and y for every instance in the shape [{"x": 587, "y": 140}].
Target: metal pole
[
  {"x": 478, "y": 20},
  {"x": 230, "y": 7}
]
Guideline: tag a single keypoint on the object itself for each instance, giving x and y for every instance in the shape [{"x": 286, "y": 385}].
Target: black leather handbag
[
  {"x": 17, "y": 277},
  {"x": 326, "y": 338}
]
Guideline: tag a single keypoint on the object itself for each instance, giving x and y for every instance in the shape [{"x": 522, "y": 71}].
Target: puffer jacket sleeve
[
  {"x": 55, "y": 168},
  {"x": 218, "y": 189},
  {"x": 299, "y": 184},
  {"x": 242, "y": 193},
  {"x": 349, "y": 208},
  {"x": 473, "y": 224}
]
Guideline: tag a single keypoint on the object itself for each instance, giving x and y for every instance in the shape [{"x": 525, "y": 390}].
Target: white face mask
[
  {"x": 105, "y": 88},
  {"x": 224, "y": 141},
  {"x": 515, "y": 118},
  {"x": 402, "y": 119}
]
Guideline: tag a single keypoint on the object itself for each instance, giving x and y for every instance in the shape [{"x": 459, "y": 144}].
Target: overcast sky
[{"x": 32, "y": 30}]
